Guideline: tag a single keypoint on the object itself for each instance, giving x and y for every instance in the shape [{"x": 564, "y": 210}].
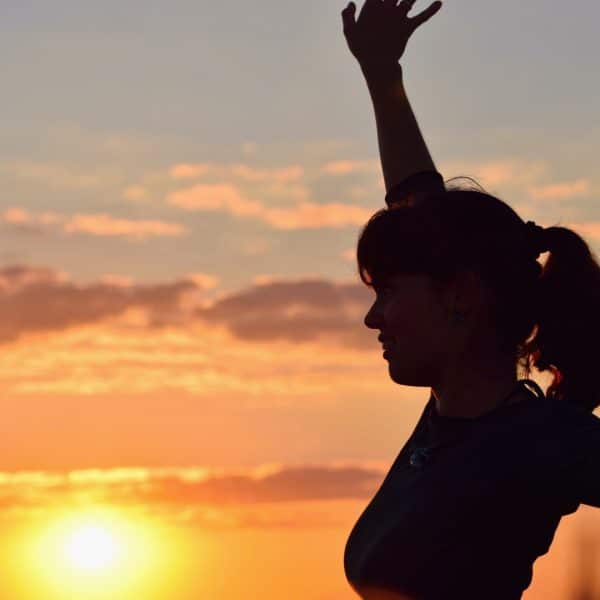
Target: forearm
[{"x": 402, "y": 149}]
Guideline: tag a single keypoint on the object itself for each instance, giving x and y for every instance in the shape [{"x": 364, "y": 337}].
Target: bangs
[{"x": 401, "y": 240}]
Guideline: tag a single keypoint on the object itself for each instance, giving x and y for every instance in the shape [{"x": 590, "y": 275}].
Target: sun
[
  {"x": 96, "y": 552},
  {"x": 92, "y": 547}
]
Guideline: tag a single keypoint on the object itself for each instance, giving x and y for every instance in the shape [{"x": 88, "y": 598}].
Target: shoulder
[
  {"x": 571, "y": 414},
  {"x": 567, "y": 427}
]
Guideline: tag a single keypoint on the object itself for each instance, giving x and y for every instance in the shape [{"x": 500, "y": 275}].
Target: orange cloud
[
  {"x": 561, "y": 191},
  {"x": 305, "y": 215},
  {"x": 589, "y": 230},
  {"x": 228, "y": 493},
  {"x": 187, "y": 171},
  {"x": 21, "y": 219},
  {"x": 214, "y": 197},
  {"x": 266, "y": 341},
  {"x": 91, "y": 224},
  {"x": 347, "y": 167},
  {"x": 239, "y": 171},
  {"x": 503, "y": 171},
  {"x": 284, "y": 175},
  {"x": 106, "y": 225},
  {"x": 309, "y": 215}
]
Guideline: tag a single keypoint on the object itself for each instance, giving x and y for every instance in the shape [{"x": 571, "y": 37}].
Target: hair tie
[{"x": 536, "y": 238}]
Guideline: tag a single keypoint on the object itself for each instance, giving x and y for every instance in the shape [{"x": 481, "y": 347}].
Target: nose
[{"x": 372, "y": 319}]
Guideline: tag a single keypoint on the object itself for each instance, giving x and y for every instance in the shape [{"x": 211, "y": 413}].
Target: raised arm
[{"x": 378, "y": 40}]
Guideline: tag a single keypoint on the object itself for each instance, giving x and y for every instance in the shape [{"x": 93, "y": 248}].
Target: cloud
[
  {"x": 589, "y": 230},
  {"x": 107, "y": 226},
  {"x": 561, "y": 191},
  {"x": 503, "y": 171},
  {"x": 293, "y": 310},
  {"x": 270, "y": 309},
  {"x": 188, "y": 171},
  {"x": 13, "y": 279},
  {"x": 221, "y": 499},
  {"x": 279, "y": 197},
  {"x": 239, "y": 171},
  {"x": 218, "y": 197},
  {"x": 22, "y": 220},
  {"x": 305, "y": 215},
  {"x": 269, "y": 342},
  {"x": 35, "y": 299},
  {"x": 309, "y": 215},
  {"x": 101, "y": 224},
  {"x": 281, "y": 175},
  {"x": 347, "y": 167},
  {"x": 203, "y": 281}
]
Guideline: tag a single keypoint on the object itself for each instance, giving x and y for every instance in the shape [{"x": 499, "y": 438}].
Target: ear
[{"x": 465, "y": 293}]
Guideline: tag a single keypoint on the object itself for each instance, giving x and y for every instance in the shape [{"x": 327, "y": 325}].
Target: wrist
[{"x": 381, "y": 72}]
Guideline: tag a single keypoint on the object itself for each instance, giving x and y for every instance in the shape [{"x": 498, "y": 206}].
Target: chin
[{"x": 408, "y": 377}]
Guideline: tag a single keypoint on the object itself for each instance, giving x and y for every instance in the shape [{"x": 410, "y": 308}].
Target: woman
[{"x": 478, "y": 490}]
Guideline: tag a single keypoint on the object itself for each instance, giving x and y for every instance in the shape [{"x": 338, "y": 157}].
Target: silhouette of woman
[{"x": 464, "y": 307}]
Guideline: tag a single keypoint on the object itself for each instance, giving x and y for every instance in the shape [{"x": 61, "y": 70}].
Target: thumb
[{"x": 348, "y": 15}]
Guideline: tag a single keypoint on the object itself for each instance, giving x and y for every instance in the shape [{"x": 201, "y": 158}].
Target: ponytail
[{"x": 567, "y": 315}]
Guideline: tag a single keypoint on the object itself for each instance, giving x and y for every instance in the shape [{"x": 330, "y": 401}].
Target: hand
[{"x": 378, "y": 39}]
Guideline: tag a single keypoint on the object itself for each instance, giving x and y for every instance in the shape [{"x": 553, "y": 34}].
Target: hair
[{"x": 545, "y": 315}]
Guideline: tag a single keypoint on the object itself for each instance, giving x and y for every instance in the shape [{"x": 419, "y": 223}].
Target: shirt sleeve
[
  {"x": 405, "y": 192},
  {"x": 584, "y": 470}
]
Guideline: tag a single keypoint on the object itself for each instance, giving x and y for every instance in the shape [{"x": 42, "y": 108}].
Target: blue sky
[{"x": 122, "y": 92}]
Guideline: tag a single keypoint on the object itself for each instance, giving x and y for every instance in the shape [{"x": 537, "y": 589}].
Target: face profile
[{"x": 413, "y": 328}]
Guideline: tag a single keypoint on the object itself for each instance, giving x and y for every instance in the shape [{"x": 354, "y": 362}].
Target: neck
[{"x": 477, "y": 391}]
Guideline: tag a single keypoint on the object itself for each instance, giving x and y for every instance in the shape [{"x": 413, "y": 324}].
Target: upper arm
[{"x": 583, "y": 467}]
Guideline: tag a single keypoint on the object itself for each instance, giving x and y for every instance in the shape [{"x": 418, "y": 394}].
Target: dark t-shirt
[{"x": 472, "y": 520}]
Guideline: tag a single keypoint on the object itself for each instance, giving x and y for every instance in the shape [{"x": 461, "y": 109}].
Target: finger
[
  {"x": 406, "y": 5},
  {"x": 348, "y": 19},
  {"x": 425, "y": 15}
]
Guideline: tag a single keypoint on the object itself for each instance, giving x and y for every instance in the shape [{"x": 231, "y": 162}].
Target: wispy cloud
[
  {"x": 108, "y": 226},
  {"x": 561, "y": 191},
  {"x": 237, "y": 171},
  {"x": 99, "y": 224},
  {"x": 304, "y": 215},
  {"x": 347, "y": 167},
  {"x": 497, "y": 172},
  {"x": 215, "y": 197}
]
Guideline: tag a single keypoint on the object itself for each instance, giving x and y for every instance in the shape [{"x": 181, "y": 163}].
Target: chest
[{"x": 418, "y": 514}]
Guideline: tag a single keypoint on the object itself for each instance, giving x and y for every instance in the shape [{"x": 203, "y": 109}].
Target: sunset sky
[{"x": 183, "y": 184}]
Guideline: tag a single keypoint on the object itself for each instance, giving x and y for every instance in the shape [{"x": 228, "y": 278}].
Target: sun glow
[
  {"x": 92, "y": 547},
  {"x": 97, "y": 553}
]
